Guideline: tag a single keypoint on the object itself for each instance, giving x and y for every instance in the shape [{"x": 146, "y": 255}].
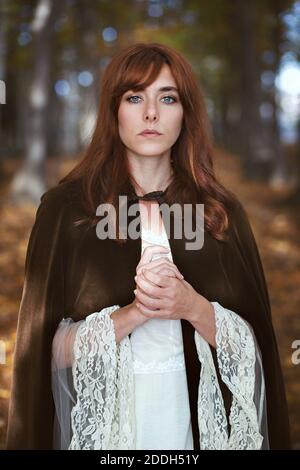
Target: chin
[
  {"x": 151, "y": 149},
  {"x": 151, "y": 154}
]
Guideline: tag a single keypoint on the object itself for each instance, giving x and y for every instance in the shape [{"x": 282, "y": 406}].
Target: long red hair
[{"x": 103, "y": 171}]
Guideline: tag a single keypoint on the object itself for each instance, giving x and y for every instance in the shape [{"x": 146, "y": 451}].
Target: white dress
[{"x": 163, "y": 419}]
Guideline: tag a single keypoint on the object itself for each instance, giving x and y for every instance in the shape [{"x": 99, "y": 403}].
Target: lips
[{"x": 150, "y": 133}]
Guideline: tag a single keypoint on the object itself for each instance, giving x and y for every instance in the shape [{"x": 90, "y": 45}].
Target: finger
[
  {"x": 149, "y": 251},
  {"x": 173, "y": 272},
  {"x": 163, "y": 262},
  {"x": 153, "y": 263},
  {"x": 149, "y": 313},
  {"x": 148, "y": 286},
  {"x": 160, "y": 280},
  {"x": 157, "y": 262},
  {"x": 150, "y": 303},
  {"x": 165, "y": 271}
]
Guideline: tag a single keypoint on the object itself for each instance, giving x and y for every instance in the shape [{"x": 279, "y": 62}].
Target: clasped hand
[{"x": 162, "y": 291}]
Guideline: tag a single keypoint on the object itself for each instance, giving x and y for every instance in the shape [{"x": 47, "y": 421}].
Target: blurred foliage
[{"x": 230, "y": 44}]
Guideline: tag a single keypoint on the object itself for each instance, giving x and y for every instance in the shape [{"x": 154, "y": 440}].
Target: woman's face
[{"x": 153, "y": 108}]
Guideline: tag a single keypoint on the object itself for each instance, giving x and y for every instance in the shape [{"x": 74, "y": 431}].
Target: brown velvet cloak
[{"x": 69, "y": 272}]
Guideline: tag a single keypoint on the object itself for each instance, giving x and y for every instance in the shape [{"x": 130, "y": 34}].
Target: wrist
[
  {"x": 203, "y": 320},
  {"x": 200, "y": 308},
  {"x": 135, "y": 313},
  {"x": 195, "y": 308}
]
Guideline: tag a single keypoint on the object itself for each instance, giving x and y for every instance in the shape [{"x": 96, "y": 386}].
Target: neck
[
  {"x": 151, "y": 174},
  {"x": 145, "y": 187}
]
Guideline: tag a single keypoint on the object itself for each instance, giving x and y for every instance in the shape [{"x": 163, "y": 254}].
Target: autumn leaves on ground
[{"x": 277, "y": 231}]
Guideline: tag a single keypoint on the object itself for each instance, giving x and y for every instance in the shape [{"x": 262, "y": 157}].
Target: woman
[{"x": 142, "y": 342}]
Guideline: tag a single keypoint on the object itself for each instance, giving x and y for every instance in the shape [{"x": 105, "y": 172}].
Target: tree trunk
[
  {"x": 255, "y": 151},
  {"x": 279, "y": 172},
  {"x": 29, "y": 182}
]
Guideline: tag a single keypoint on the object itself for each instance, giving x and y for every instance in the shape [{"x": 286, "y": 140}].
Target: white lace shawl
[{"x": 93, "y": 388}]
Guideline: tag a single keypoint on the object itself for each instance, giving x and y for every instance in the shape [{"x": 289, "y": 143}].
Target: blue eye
[
  {"x": 130, "y": 97},
  {"x": 135, "y": 96},
  {"x": 172, "y": 97}
]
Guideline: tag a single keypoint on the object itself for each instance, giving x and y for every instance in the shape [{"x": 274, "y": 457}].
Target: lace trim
[
  {"x": 103, "y": 416},
  {"x": 172, "y": 364},
  {"x": 236, "y": 361}
]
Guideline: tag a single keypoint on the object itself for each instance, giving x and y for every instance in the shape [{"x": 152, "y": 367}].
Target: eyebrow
[
  {"x": 165, "y": 88},
  {"x": 168, "y": 88}
]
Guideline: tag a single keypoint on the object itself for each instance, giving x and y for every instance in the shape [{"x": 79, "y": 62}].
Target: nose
[{"x": 151, "y": 113}]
